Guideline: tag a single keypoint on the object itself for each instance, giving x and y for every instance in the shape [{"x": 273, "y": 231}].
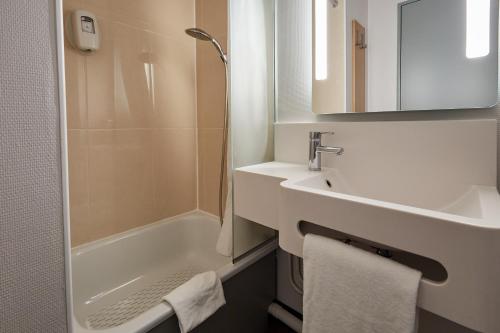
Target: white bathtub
[{"x": 118, "y": 282}]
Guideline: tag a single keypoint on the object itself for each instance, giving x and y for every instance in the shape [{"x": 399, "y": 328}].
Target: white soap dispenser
[{"x": 83, "y": 31}]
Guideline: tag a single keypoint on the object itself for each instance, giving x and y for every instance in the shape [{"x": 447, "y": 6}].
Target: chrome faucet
[{"x": 315, "y": 150}]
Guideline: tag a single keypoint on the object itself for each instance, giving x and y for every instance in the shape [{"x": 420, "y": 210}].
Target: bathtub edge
[{"x": 161, "y": 312}]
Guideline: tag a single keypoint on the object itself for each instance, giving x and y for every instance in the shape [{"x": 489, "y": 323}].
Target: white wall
[{"x": 382, "y": 74}]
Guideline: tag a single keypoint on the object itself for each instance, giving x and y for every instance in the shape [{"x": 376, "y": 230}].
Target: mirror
[{"x": 393, "y": 55}]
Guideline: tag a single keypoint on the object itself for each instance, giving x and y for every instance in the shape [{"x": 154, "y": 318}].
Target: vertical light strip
[
  {"x": 478, "y": 28},
  {"x": 321, "y": 39}
]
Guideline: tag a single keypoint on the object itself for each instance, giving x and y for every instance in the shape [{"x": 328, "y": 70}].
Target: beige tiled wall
[
  {"x": 132, "y": 118},
  {"x": 211, "y": 15}
]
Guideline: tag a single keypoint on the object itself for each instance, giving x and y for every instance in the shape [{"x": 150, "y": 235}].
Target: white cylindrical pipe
[{"x": 286, "y": 317}]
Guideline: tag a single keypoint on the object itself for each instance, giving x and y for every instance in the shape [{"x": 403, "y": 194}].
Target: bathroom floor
[{"x": 276, "y": 326}]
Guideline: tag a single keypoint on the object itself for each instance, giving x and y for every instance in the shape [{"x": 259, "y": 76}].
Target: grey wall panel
[
  {"x": 32, "y": 282},
  {"x": 435, "y": 72}
]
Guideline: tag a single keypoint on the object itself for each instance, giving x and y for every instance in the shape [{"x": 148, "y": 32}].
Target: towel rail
[
  {"x": 431, "y": 269},
  {"x": 378, "y": 250}
]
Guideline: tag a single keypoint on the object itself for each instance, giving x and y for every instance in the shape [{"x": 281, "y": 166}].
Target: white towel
[
  {"x": 196, "y": 300},
  {"x": 348, "y": 290}
]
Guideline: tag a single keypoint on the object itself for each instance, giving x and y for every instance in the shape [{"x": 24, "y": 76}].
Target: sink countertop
[
  {"x": 294, "y": 176},
  {"x": 281, "y": 170}
]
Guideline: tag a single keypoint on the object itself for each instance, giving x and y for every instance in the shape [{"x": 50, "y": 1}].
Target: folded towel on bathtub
[
  {"x": 196, "y": 300},
  {"x": 348, "y": 290}
]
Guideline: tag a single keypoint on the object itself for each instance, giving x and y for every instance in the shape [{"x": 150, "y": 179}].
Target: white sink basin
[
  {"x": 478, "y": 202},
  {"x": 456, "y": 226}
]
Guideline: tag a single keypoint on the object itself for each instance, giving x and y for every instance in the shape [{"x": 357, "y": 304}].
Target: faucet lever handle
[{"x": 315, "y": 135}]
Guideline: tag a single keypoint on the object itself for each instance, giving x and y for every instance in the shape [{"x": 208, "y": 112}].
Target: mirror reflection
[{"x": 393, "y": 55}]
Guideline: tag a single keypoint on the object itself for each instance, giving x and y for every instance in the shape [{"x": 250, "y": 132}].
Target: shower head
[
  {"x": 199, "y": 34},
  {"x": 205, "y": 36}
]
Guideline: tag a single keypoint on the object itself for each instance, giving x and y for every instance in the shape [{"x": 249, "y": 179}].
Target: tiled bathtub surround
[
  {"x": 211, "y": 15},
  {"x": 132, "y": 118}
]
